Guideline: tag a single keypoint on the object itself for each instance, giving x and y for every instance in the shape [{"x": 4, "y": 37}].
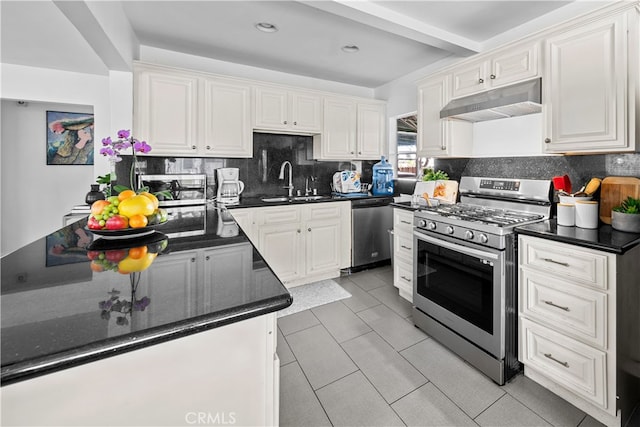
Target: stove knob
[
  {"x": 422, "y": 223},
  {"x": 449, "y": 229},
  {"x": 431, "y": 225},
  {"x": 484, "y": 238},
  {"x": 468, "y": 235}
]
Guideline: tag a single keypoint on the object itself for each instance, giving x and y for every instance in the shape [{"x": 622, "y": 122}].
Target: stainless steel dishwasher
[{"x": 371, "y": 218}]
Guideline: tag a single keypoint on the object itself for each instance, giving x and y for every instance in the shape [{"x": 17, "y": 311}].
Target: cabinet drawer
[
  {"x": 403, "y": 220},
  {"x": 403, "y": 278},
  {"x": 575, "y": 366},
  {"x": 278, "y": 215},
  {"x": 564, "y": 306},
  {"x": 324, "y": 210},
  {"x": 588, "y": 267},
  {"x": 403, "y": 246}
]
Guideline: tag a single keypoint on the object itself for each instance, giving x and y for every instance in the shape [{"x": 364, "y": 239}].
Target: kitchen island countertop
[{"x": 61, "y": 309}]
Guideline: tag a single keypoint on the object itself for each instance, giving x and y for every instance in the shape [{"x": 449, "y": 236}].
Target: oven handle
[{"x": 453, "y": 246}]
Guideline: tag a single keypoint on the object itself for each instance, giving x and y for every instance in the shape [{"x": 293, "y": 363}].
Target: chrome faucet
[
  {"x": 282, "y": 167},
  {"x": 307, "y": 189}
]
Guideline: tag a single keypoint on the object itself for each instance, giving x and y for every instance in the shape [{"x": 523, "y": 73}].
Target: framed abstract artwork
[{"x": 69, "y": 138}]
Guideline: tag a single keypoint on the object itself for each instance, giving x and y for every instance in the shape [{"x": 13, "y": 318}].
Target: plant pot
[
  {"x": 94, "y": 194},
  {"x": 625, "y": 222}
]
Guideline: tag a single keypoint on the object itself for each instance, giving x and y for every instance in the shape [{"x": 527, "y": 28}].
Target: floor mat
[{"x": 313, "y": 295}]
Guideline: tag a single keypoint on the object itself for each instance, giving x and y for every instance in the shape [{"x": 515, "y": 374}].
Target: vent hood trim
[{"x": 510, "y": 101}]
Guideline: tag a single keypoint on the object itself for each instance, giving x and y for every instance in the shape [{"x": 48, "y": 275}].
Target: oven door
[{"x": 462, "y": 287}]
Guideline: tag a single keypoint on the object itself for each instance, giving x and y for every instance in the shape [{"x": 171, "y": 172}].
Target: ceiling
[{"x": 394, "y": 38}]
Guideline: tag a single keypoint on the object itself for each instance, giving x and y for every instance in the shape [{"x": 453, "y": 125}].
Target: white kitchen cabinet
[
  {"x": 278, "y": 109},
  {"x": 503, "y": 67},
  {"x": 352, "y": 130},
  {"x": 228, "y": 273},
  {"x": 591, "y": 86},
  {"x": 245, "y": 219},
  {"x": 439, "y": 137},
  {"x": 567, "y": 322},
  {"x": 304, "y": 243},
  {"x": 182, "y": 113},
  {"x": 403, "y": 252}
]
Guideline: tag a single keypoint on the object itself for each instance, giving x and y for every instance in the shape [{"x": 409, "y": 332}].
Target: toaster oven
[{"x": 185, "y": 189}]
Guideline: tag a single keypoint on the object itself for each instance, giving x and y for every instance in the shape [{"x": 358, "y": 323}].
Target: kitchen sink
[
  {"x": 275, "y": 199},
  {"x": 310, "y": 198},
  {"x": 294, "y": 199}
]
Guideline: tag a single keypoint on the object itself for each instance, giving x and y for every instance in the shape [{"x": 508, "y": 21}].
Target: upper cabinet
[
  {"x": 507, "y": 66},
  {"x": 591, "y": 86},
  {"x": 190, "y": 114},
  {"x": 289, "y": 111},
  {"x": 437, "y": 137},
  {"x": 353, "y": 129}
]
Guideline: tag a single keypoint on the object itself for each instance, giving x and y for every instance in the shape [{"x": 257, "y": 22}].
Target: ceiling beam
[
  {"x": 98, "y": 35},
  {"x": 382, "y": 18}
]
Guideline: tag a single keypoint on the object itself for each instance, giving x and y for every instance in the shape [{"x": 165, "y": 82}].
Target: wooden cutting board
[{"x": 613, "y": 190}]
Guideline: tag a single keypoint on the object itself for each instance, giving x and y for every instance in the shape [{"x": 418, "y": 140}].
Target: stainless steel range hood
[{"x": 515, "y": 100}]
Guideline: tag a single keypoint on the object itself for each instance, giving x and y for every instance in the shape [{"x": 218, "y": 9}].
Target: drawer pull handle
[
  {"x": 555, "y": 305},
  {"x": 408, "y": 280},
  {"x": 405, "y": 222},
  {"x": 405, "y": 247},
  {"x": 565, "y": 264},
  {"x": 549, "y": 356}
]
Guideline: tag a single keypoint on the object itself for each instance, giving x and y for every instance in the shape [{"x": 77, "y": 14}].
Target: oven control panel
[{"x": 502, "y": 185}]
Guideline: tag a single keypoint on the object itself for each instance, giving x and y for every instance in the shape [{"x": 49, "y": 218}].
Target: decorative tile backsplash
[{"x": 260, "y": 173}]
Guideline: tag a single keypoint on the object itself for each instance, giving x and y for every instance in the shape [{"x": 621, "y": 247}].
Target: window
[{"x": 406, "y": 138}]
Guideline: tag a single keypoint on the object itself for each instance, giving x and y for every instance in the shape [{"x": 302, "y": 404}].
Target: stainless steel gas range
[{"x": 465, "y": 269}]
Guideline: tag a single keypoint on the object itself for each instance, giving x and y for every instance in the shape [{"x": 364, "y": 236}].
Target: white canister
[
  {"x": 587, "y": 214},
  {"x": 566, "y": 215}
]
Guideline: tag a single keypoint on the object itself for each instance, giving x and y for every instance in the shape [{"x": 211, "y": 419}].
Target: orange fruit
[
  {"x": 96, "y": 267},
  {"x": 138, "y": 221},
  {"x": 126, "y": 194},
  {"x": 137, "y": 253},
  {"x": 151, "y": 197},
  {"x": 135, "y": 205},
  {"x": 98, "y": 206}
]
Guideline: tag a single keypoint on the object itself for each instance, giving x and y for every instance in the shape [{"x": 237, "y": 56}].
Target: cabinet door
[
  {"x": 228, "y": 275},
  {"x": 323, "y": 242},
  {"x": 370, "y": 131},
  {"x": 245, "y": 219},
  {"x": 514, "y": 65},
  {"x": 470, "y": 78},
  {"x": 305, "y": 112},
  {"x": 177, "y": 298},
  {"x": 166, "y": 111},
  {"x": 227, "y": 120},
  {"x": 270, "y": 108},
  {"x": 339, "y": 130},
  {"x": 586, "y": 88},
  {"x": 281, "y": 246}
]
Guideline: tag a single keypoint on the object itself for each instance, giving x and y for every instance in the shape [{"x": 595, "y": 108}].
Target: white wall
[{"x": 34, "y": 197}]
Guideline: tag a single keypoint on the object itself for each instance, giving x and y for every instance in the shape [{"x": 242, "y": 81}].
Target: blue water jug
[{"x": 382, "y": 178}]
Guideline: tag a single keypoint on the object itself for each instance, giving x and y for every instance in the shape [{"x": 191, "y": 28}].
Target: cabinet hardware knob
[
  {"x": 492, "y": 76},
  {"x": 549, "y": 356},
  {"x": 208, "y": 147},
  {"x": 309, "y": 229},
  {"x": 547, "y": 140},
  {"x": 298, "y": 231},
  {"x": 444, "y": 147},
  {"x": 564, "y": 264},
  {"x": 207, "y": 258},
  {"x": 295, "y": 123},
  {"x": 480, "y": 80},
  {"x": 193, "y": 260},
  {"x": 193, "y": 147},
  {"x": 359, "y": 152},
  {"x": 555, "y": 305},
  {"x": 352, "y": 152},
  {"x": 285, "y": 122}
]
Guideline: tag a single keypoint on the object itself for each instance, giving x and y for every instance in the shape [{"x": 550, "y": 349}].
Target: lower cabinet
[
  {"x": 567, "y": 323},
  {"x": 403, "y": 252},
  {"x": 301, "y": 243}
]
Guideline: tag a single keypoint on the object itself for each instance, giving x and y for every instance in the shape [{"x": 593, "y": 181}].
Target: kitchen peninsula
[{"x": 190, "y": 337}]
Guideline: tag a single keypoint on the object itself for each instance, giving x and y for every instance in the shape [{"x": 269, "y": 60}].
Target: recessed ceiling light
[
  {"x": 350, "y": 48},
  {"x": 266, "y": 27}
]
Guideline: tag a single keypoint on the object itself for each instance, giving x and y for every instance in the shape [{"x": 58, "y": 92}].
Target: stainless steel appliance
[
  {"x": 465, "y": 269},
  {"x": 229, "y": 186},
  {"x": 371, "y": 218},
  {"x": 184, "y": 189}
]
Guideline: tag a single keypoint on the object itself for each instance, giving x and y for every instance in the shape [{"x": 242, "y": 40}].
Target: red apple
[
  {"x": 93, "y": 223},
  {"x": 117, "y": 222},
  {"x": 116, "y": 256},
  {"x": 93, "y": 255}
]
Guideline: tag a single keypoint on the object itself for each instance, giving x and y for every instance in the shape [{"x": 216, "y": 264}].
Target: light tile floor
[{"x": 361, "y": 362}]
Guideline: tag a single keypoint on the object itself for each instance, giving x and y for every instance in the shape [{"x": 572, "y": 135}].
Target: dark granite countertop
[
  {"x": 604, "y": 238},
  {"x": 61, "y": 309},
  {"x": 257, "y": 201}
]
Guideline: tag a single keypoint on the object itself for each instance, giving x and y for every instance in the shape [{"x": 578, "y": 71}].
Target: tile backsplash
[{"x": 259, "y": 173}]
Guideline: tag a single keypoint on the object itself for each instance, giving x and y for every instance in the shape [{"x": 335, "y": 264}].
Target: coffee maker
[{"x": 229, "y": 186}]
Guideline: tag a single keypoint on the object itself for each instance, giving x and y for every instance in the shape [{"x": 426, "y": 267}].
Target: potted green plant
[
  {"x": 429, "y": 174},
  {"x": 626, "y": 217}
]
